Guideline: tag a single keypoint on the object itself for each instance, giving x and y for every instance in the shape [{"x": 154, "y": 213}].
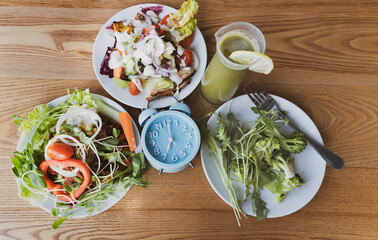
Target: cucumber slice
[{"x": 121, "y": 83}]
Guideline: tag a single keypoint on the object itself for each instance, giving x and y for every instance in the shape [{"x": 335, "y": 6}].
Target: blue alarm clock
[{"x": 170, "y": 139}]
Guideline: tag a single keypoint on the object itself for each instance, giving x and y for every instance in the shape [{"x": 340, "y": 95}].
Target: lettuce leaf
[
  {"x": 185, "y": 14},
  {"x": 183, "y": 21},
  {"x": 80, "y": 97},
  {"x": 25, "y": 167},
  {"x": 27, "y": 123},
  {"x": 258, "y": 206},
  {"x": 186, "y": 30},
  {"x": 158, "y": 83}
]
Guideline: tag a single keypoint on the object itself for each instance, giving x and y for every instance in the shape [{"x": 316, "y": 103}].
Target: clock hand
[
  {"x": 170, "y": 141},
  {"x": 169, "y": 133}
]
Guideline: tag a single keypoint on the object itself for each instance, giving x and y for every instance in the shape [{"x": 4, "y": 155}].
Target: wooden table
[{"x": 326, "y": 62}]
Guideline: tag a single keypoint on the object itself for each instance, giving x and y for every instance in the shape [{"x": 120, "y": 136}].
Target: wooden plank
[
  {"x": 61, "y": 39},
  {"x": 194, "y": 210},
  {"x": 311, "y": 6}
]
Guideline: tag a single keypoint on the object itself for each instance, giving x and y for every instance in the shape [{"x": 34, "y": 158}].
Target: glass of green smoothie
[{"x": 223, "y": 76}]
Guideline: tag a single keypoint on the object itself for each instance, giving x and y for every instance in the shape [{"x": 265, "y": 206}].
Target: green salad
[
  {"x": 256, "y": 157},
  {"x": 75, "y": 155}
]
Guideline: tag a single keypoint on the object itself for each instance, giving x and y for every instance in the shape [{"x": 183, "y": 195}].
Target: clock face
[{"x": 171, "y": 137}]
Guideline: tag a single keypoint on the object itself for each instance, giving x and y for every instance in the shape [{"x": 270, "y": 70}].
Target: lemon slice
[{"x": 259, "y": 62}]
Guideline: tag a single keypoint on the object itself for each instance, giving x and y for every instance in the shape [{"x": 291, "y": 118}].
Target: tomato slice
[
  {"x": 187, "y": 41},
  {"x": 133, "y": 89},
  {"x": 187, "y": 56},
  {"x": 51, "y": 185},
  {"x": 59, "y": 151},
  {"x": 164, "y": 21}
]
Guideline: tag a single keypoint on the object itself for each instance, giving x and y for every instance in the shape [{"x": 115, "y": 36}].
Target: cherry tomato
[
  {"x": 187, "y": 56},
  {"x": 59, "y": 151},
  {"x": 133, "y": 89},
  {"x": 164, "y": 21},
  {"x": 184, "y": 43}
]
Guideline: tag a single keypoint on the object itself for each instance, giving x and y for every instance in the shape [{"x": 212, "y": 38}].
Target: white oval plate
[
  {"x": 49, "y": 203},
  {"x": 102, "y": 42},
  {"x": 309, "y": 164}
]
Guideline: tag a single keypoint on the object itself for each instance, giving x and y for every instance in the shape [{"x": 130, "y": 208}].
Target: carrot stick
[
  {"x": 117, "y": 72},
  {"x": 127, "y": 127}
]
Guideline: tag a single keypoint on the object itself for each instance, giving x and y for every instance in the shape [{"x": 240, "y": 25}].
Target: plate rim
[
  {"x": 318, "y": 138},
  {"x": 168, "y": 101},
  {"x": 120, "y": 195}
]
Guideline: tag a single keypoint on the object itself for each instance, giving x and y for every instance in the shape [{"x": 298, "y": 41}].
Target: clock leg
[{"x": 191, "y": 164}]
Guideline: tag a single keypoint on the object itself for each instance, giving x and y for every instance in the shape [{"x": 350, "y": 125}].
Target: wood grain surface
[{"x": 326, "y": 62}]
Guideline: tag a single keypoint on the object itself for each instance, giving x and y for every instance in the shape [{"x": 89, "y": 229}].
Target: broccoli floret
[
  {"x": 294, "y": 182},
  {"x": 266, "y": 147},
  {"x": 288, "y": 185},
  {"x": 294, "y": 143},
  {"x": 285, "y": 164}
]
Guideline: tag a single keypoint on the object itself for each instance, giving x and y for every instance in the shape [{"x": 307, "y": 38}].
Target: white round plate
[
  {"x": 198, "y": 46},
  {"x": 49, "y": 203},
  {"x": 309, "y": 164}
]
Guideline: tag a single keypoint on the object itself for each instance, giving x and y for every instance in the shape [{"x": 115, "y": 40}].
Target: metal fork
[{"x": 265, "y": 102}]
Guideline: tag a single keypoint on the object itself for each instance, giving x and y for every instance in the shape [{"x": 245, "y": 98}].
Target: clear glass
[{"x": 223, "y": 76}]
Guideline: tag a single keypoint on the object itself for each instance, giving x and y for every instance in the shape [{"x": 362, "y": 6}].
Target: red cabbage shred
[
  {"x": 157, "y": 9},
  {"x": 104, "y": 69}
]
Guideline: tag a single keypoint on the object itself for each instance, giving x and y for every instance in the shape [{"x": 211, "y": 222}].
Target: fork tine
[
  {"x": 257, "y": 103},
  {"x": 257, "y": 96},
  {"x": 262, "y": 92}
]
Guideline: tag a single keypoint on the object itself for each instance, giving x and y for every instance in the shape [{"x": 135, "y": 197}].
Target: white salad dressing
[
  {"x": 81, "y": 120},
  {"x": 115, "y": 60},
  {"x": 175, "y": 78},
  {"x": 153, "y": 16},
  {"x": 169, "y": 48},
  {"x": 76, "y": 116},
  {"x": 176, "y": 34},
  {"x": 140, "y": 23},
  {"x": 123, "y": 37},
  {"x": 180, "y": 50},
  {"x": 182, "y": 63},
  {"x": 151, "y": 47},
  {"x": 149, "y": 70},
  {"x": 138, "y": 83},
  {"x": 177, "y": 92},
  {"x": 165, "y": 27}
]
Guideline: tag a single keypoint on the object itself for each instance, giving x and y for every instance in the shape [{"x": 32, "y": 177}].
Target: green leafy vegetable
[
  {"x": 27, "y": 123},
  {"x": 186, "y": 30},
  {"x": 183, "y": 21},
  {"x": 79, "y": 97},
  {"x": 184, "y": 14},
  {"x": 58, "y": 222},
  {"x": 258, "y": 206},
  {"x": 111, "y": 175},
  {"x": 257, "y": 157}
]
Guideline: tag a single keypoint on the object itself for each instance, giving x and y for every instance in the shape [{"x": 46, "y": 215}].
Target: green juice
[{"x": 222, "y": 77}]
